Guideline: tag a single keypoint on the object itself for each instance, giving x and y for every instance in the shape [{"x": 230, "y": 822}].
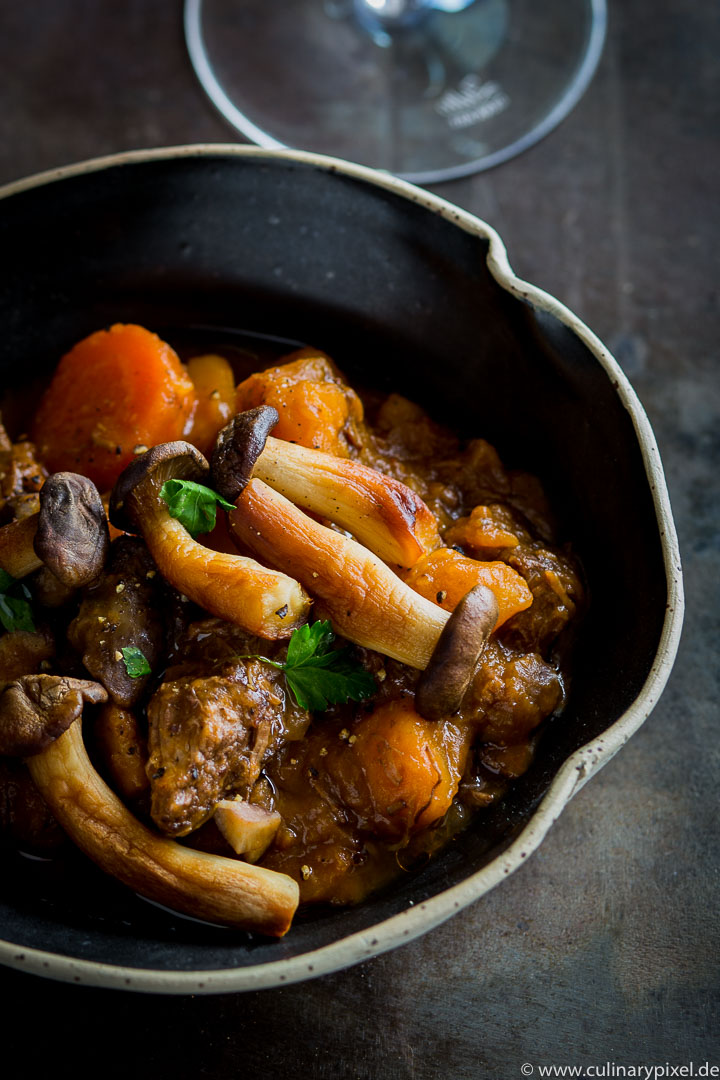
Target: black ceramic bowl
[{"x": 403, "y": 290}]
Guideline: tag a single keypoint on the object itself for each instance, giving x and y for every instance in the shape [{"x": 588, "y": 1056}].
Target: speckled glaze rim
[{"x": 575, "y": 772}]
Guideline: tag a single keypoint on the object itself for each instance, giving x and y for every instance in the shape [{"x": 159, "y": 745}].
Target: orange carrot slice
[
  {"x": 214, "y": 383},
  {"x": 314, "y": 405},
  {"x": 445, "y": 576},
  {"x": 115, "y": 390},
  {"x": 411, "y": 767}
]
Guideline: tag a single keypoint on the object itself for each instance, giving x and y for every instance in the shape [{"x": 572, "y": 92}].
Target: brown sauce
[{"x": 350, "y": 784}]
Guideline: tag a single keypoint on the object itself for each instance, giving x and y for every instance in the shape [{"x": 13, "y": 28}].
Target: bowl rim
[{"x": 576, "y": 770}]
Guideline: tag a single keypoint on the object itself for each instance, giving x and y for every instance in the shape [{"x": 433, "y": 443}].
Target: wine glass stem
[{"x": 390, "y": 13}]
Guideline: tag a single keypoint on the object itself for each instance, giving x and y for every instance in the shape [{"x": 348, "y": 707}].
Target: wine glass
[{"x": 427, "y": 89}]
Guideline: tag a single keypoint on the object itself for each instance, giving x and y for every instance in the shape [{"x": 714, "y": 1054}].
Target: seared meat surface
[
  {"x": 556, "y": 588},
  {"x": 211, "y": 723},
  {"x": 511, "y": 694}
]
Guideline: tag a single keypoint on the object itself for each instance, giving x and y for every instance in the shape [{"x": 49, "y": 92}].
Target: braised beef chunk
[
  {"x": 213, "y": 641},
  {"x": 511, "y": 694},
  {"x": 25, "y": 653},
  {"x": 480, "y": 477},
  {"x": 122, "y": 609},
  {"x": 556, "y": 589},
  {"x": 208, "y": 737},
  {"x": 21, "y": 474}
]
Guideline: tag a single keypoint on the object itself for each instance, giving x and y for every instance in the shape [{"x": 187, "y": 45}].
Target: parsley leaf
[
  {"x": 15, "y": 611},
  {"x": 318, "y": 675},
  {"x": 194, "y": 505},
  {"x": 135, "y": 662},
  {"x": 315, "y": 688},
  {"x": 309, "y": 643}
]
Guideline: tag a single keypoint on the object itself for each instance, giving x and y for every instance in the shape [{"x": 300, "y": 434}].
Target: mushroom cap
[
  {"x": 72, "y": 536},
  {"x": 36, "y": 709},
  {"x": 238, "y": 446},
  {"x": 166, "y": 461},
  {"x": 442, "y": 685}
]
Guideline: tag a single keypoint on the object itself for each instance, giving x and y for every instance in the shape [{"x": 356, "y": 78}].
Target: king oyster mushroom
[
  {"x": 206, "y": 886},
  {"x": 262, "y": 601},
  {"x": 366, "y": 602},
  {"x": 36, "y": 709},
  {"x": 383, "y": 514}
]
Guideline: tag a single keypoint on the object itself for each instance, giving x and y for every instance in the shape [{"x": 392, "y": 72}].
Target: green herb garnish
[
  {"x": 15, "y": 609},
  {"x": 319, "y": 675},
  {"x": 194, "y": 505},
  {"x": 135, "y": 662}
]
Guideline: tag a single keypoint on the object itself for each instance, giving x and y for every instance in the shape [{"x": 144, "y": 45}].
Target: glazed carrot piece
[
  {"x": 316, "y": 408},
  {"x": 115, "y": 390},
  {"x": 411, "y": 767},
  {"x": 214, "y": 384},
  {"x": 487, "y": 528},
  {"x": 445, "y": 576}
]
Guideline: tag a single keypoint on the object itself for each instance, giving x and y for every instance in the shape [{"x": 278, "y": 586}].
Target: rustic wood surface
[{"x": 604, "y": 948}]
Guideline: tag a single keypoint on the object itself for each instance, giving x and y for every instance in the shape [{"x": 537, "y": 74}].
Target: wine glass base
[{"x": 453, "y": 95}]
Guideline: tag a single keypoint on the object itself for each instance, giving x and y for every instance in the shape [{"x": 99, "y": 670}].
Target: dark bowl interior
[{"x": 402, "y": 298}]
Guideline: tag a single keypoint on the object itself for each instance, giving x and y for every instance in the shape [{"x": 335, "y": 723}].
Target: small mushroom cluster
[
  {"x": 280, "y": 492},
  {"x": 69, "y": 536},
  {"x": 41, "y": 714}
]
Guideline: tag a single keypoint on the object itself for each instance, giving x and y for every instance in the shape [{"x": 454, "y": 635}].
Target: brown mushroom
[
  {"x": 210, "y": 887},
  {"x": 383, "y": 514},
  {"x": 442, "y": 685},
  {"x": 233, "y": 587},
  {"x": 36, "y": 709},
  {"x": 68, "y": 534}
]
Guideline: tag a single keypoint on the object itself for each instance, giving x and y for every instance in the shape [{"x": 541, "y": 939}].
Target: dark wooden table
[{"x": 604, "y": 948}]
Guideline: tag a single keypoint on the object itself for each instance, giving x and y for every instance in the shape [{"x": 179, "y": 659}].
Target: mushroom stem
[
  {"x": 366, "y": 602},
  {"x": 17, "y": 554},
  {"x": 68, "y": 534},
  {"x": 209, "y": 887},
  {"x": 263, "y": 602},
  {"x": 383, "y": 514}
]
